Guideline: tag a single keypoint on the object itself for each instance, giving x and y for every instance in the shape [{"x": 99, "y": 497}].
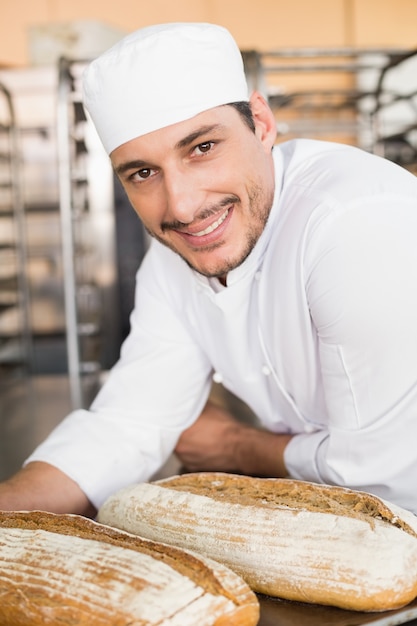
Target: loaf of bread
[
  {"x": 290, "y": 539},
  {"x": 66, "y": 569}
]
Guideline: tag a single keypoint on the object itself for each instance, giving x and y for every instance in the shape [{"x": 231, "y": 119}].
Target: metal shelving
[
  {"x": 66, "y": 208},
  {"x": 87, "y": 296},
  {"x": 15, "y": 336},
  {"x": 321, "y": 93},
  {"x": 77, "y": 238},
  {"x": 395, "y": 111}
]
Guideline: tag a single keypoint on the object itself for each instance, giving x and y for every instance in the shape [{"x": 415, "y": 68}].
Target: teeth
[{"x": 213, "y": 226}]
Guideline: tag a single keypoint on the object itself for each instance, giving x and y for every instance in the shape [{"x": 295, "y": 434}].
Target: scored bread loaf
[
  {"x": 287, "y": 538},
  {"x": 66, "y": 569}
]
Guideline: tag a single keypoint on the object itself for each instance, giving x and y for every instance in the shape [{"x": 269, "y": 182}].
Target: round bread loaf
[
  {"x": 66, "y": 569},
  {"x": 291, "y": 539}
]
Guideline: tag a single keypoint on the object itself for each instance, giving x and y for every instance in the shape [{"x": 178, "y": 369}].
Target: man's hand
[
  {"x": 43, "y": 487},
  {"x": 218, "y": 442}
]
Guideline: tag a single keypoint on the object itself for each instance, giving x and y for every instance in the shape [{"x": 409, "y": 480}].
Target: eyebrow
[
  {"x": 130, "y": 165},
  {"x": 203, "y": 130},
  {"x": 182, "y": 143}
]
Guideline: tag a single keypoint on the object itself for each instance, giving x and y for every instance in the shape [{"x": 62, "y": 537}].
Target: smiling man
[
  {"x": 288, "y": 272},
  {"x": 204, "y": 187}
]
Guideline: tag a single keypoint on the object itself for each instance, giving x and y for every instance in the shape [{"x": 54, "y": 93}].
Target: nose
[{"x": 184, "y": 197}]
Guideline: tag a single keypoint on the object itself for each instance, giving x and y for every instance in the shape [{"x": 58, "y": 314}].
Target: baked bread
[
  {"x": 66, "y": 569},
  {"x": 287, "y": 538}
]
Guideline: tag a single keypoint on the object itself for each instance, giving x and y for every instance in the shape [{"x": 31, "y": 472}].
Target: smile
[{"x": 212, "y": 226}]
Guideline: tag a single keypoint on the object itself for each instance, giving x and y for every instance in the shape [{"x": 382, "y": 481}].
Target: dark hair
[{"x": 244, "y": 110}]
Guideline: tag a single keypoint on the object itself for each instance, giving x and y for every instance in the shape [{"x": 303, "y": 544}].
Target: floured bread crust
[
  {"x": 286, "y": 538},
  {"x": 66, "y": 569}
]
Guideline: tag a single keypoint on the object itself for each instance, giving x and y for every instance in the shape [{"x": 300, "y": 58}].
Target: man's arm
[
  {"x": 40, "y": 486},
  {"x": 218, "y": 442}
]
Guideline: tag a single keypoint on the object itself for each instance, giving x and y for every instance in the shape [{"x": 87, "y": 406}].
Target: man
[{"x": 289, "y": 273}]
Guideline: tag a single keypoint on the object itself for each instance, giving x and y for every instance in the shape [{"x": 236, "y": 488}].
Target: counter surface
[{"x": 275, "y": 612}]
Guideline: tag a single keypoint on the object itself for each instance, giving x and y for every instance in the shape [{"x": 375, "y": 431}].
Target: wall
[{"x": 264, "y": 24}]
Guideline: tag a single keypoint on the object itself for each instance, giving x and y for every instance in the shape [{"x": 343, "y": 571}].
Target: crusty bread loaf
[
  {"x": 286, "y": 538},
  {"x": 65, "y": 569}
]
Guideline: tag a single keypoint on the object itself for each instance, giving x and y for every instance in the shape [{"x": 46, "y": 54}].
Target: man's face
[{"x": 203, "y": 187}]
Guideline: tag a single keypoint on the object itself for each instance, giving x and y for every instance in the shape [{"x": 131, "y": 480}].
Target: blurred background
[
  {"x": 341, "y": 70},
  {"x": 265, "y": 24}
]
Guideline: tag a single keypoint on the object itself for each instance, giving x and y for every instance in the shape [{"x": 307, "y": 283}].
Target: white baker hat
[{"x": 161, "y": 75}]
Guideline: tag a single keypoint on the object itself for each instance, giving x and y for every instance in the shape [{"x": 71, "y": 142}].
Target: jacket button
[
  {"x": 217, "y": 377},
  {"x": 266, "y": 370},
  {"x": 309, "y": 428}
]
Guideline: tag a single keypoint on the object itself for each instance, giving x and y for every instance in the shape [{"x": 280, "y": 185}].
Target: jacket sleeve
[{"x": 137, "y": 417}]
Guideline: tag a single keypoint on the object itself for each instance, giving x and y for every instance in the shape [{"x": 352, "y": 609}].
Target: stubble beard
[{"x": 260, "y": 204}]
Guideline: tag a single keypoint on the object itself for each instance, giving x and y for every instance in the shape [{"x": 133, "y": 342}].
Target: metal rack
[
  {"x": 70, "y": 211},
  {"x": 321, "y": 93},
  {"x": 15, "y": 335},
  {"x": 86, "y": 201},
  {"x": 395, "y": 111}
]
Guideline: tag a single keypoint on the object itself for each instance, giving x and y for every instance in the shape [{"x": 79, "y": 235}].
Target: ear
[{"x": 265, "y": 123}]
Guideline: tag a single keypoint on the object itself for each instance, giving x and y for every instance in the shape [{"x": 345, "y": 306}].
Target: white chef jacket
[{"x": 316, "y": 331}]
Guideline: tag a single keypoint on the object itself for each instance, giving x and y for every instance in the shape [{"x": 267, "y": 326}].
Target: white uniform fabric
[{"x": 316, "y": 332}]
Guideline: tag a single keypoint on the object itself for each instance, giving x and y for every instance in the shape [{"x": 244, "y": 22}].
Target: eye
[
  {"x": 142, "y": 174},
  {"x": 204, "y": 147}
]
